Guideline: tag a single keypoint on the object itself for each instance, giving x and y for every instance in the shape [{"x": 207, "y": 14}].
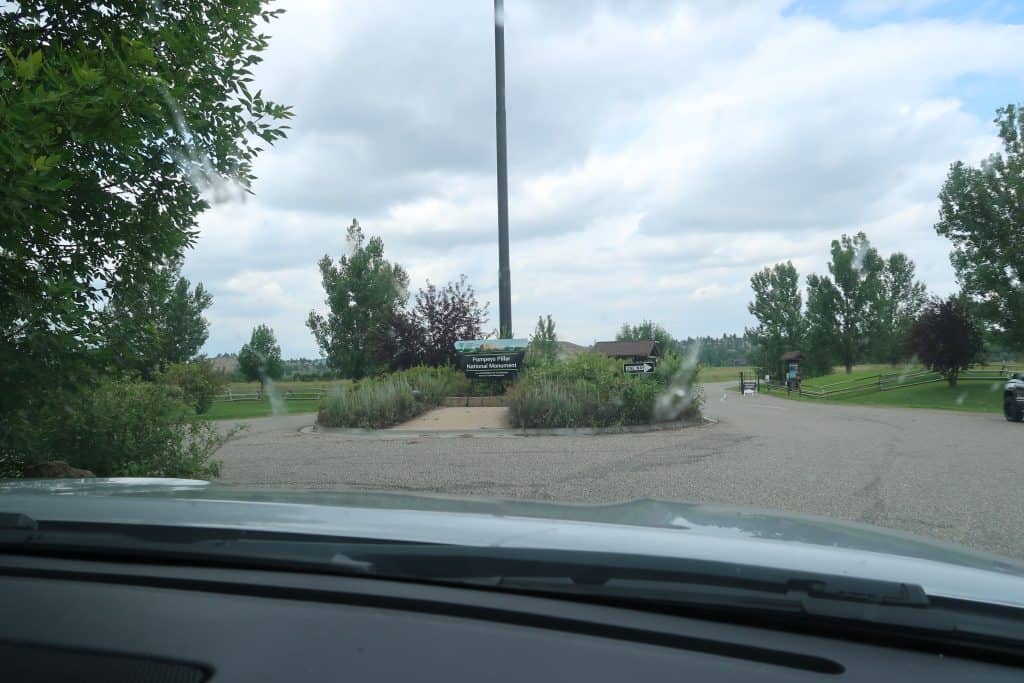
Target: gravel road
[{"x": 957, "y": 476}]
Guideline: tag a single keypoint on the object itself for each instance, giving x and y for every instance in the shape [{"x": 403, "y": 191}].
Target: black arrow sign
[{"x": 643, "y": 368}]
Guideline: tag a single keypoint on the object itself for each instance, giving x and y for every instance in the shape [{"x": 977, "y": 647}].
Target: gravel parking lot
[{"x": 957, "y": 476}]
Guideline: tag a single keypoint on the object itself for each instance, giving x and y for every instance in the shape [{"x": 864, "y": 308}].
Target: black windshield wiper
[
  {"x": 201, "y": 545},
  {"x": 444, "y": 562},
  {"x": 707, "y": 588},
  {"x": 597, "y": 569}
]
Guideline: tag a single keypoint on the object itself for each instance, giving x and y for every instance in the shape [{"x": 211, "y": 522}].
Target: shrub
[
  {"x": 487, "y": 387},
  {"x": 198, "y": 380},
  {"x": 390, "y": 399},
  {"x": 590, "y": 390},
  {"x": 127, "y": 429}
]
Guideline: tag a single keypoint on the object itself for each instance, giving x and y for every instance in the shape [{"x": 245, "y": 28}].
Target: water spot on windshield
[
  {"x": 277, "y": 404},
  {"x": 196, "y": 164},
  {"x": 683, "y": 391}
]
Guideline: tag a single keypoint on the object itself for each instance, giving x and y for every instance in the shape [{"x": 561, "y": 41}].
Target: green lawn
[
  {"x": 975, "y": 396},
  {"x": 283, "y": 385},
  {"x": 982, "y": 396},
  {"x": 861, "y": 375},
  {"x": 238, "y": 410},
  {"x": 725, "y": 374}
]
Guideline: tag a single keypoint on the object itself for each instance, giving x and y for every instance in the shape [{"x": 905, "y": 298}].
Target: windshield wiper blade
[
  {"x": 426, "y": 562},
  {"x": 586, "y": 568},
  {"x": 179, "y": 544}
]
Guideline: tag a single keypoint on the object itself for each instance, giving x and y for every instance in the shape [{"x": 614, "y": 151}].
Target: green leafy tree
[
  {"x": 823, "y": 331},
  {"x": 365, "y": 295},
  {"x": 115, "y": 117},
  {"x": 198, "y": 380},
  {"x": 946, "y": 338},
  {"x": 645, "y": 331},
  {"x": 186, "y": 330},
  {"x": 777, "y": 306},
  {"x": 260, "y": 359},
  {"x": 149, "y": 325},
  {"x": 426, "y": 334},
  {"x": 982, "y": 212},
  {"x": 729, "y": 349},
  {"x": 900, "y": 298},
  {"x": 544, "y": 340},
  {"x": 856, "y": 270}
]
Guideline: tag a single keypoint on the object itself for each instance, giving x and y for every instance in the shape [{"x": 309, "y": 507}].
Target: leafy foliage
[
  {"x": 947, "y": 338},
  {"x": 982, "y": 213},
  {"x": 647, "y": 330},
  {"x": 727, "y": 350},
  {"x": 127, "y": 429},
  {"x": 260, "y": 359},
  {"x": 590, "y": 390},
  {"x": 777, "y": 306},
  {"x": 365, "y": 294},
  {"x": 899, "y": 299},
  {"x": 861, "y": 310},
  {"x": 89, "y": 199},
  {"x": 426, "y": 334},
  {"x": 543, "y": 342},
  {"x": 115, "y": 118},
  {"x": 823, "y": 330},
  {"x": 388, "y": 400},
  {"x": 856, "y": 270},
  {"x": 148, "y": 325},
  {"x": 198, "y": 380}
]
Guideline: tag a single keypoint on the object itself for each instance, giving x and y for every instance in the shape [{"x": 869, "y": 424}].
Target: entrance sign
[{"x": 491, "y": 358}]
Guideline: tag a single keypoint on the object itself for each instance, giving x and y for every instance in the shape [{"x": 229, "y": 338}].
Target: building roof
[
  {"x": 628, "y": 349},
  {"x": 792, "y": 355}
]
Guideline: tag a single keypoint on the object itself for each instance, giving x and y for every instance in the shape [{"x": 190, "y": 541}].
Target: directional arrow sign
[{"x": 642, "y": 368}]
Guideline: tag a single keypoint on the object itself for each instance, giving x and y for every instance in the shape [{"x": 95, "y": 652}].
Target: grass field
[
  {"x": 860, "y": 372},
  {"x": 239, "y": 410},
  {"x": 726, "y": 374},
  {"x": 974, "y": 396},
  {"x": 282, "y": 386},
  {"x": 983, "y": 396}
]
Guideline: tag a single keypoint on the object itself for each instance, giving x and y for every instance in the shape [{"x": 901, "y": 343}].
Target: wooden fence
[
  {"x": 896, "y": 380},
  {"x": 290, "y": 395}
]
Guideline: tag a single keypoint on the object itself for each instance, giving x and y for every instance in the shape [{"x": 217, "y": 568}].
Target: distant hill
[{"x": 568, "y": 350}]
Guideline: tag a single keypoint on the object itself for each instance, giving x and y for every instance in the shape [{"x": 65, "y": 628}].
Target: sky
[{"x": 659, "y": 152}]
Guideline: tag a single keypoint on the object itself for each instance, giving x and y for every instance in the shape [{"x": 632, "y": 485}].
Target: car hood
[{"x": 727, "y": 533}]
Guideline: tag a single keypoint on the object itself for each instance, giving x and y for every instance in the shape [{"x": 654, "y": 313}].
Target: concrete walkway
[{"x": 464, "y": 419}]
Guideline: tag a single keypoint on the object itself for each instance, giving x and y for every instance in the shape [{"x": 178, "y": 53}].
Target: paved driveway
[{"x": 958, "y": 476}]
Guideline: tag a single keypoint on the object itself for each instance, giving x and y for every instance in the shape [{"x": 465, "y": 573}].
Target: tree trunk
[{"x": 952, "y": 378}]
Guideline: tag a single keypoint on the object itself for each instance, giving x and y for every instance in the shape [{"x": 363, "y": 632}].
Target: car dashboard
[{"x": 80, "y": 619}]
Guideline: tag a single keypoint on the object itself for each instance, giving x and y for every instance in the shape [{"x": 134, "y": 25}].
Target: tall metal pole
[{"x": 504, "y": 275}]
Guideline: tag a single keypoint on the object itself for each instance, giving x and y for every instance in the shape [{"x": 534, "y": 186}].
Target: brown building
[{"x": 629, "y": 350}]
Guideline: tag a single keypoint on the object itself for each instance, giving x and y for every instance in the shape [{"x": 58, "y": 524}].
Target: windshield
[{"x": 743, "y": 279}]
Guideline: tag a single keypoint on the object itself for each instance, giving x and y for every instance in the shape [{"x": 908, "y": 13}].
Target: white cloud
[{"x": 659, "y": 154}]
